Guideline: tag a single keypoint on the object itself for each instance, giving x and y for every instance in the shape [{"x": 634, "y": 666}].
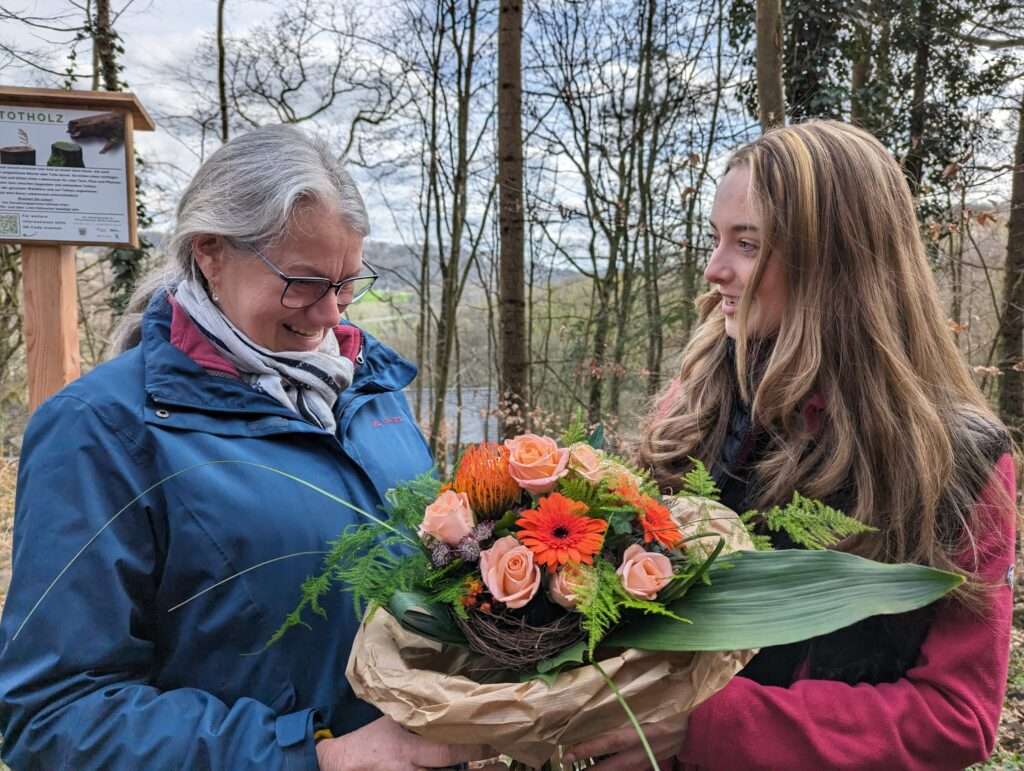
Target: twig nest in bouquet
[
  {"x": 511, "y": 643},
  {"x": 696, "y": 515}
]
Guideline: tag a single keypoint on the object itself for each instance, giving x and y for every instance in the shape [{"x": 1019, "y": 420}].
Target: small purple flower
[
  {"x": 469, "y": 549},
  {"x": 441, "y": 554}
]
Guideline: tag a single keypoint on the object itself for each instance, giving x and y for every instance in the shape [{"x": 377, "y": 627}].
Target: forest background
[{"x": 539, "y": 173}]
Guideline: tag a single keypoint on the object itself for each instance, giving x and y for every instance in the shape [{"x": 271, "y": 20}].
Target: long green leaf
[
  {"x": 779, "y": 597},
  {"x": 417, "y": 614}
]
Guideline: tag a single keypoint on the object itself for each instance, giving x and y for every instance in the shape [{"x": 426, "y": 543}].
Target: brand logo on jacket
[{"x": 387, "y": 421}]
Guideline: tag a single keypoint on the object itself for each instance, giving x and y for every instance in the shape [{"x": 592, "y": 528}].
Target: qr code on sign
[{"x": 10, "y": 225}]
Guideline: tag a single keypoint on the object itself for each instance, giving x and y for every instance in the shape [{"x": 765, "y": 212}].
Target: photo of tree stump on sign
[
  {"x": 108, "y": 126},
  {"x": 66, "y": 154},
  {"x": 18, "y": 155}
]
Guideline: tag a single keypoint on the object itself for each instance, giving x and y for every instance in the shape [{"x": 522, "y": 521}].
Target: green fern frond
[
  {"x": 408, "y": 501},
  {"x": 599, "y": 500},
  {"x": 811, "y": 523},
  {"x": 370, "y": 560},
  {"x": 576, "y": 431},
  {"x": 374, "y": 577},
  {"x": 698, "y": 481},
  {"x": 597, "y": 602},
  {"x": 579, "y": 489},
  {"x": 601, "y": 600},
  {"x": 437, "y": 576},
  {"x": 452, "y": 593}
]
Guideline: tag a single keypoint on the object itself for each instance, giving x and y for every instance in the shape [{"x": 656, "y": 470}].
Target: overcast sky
[{"x": 159, "y": 36}]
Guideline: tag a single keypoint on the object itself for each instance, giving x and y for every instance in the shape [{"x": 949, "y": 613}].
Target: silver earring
[{"x": 216, "y": 297}]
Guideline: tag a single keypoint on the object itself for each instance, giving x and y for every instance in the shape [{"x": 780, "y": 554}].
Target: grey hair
[{"x": 247, "y": 192}]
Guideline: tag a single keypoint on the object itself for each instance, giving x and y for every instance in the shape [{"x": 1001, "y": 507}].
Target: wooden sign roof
[{"x": 79, "y": 100}]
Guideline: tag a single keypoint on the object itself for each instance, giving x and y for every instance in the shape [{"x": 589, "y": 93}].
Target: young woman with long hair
[{"x": 823, "y": 364}]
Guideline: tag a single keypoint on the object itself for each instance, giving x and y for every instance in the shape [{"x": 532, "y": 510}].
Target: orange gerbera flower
[
  {"x": 658, "y": 524},
  {"x": 655, "y": 518},
  {"x": 483, "y": 476},
  {"x": 558, "y": 534}
]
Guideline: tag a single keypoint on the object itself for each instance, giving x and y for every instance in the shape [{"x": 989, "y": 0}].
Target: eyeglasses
[{"x": 305, "y": 291}]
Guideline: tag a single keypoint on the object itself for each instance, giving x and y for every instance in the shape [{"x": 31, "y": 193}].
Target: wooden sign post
[{"x": 67, "y": 179}]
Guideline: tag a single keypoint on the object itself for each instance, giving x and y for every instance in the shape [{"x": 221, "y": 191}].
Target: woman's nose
[
  {"x": 718, "y": 270},
  {"x": 325, "y": 312}
]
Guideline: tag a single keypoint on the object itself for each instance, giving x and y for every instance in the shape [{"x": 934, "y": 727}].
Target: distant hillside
[{"x": 398, "y": 264}]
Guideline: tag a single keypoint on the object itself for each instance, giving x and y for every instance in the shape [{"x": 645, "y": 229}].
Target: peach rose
[
  {"x": 586, "y": 461},
  {"x": 449, "y": 518},
  {"x": 509, "y": 573},
  {"x": 536, "y": 462},
  {"x": 562, "y": 587},
  {"x": 644, "y": 573}
]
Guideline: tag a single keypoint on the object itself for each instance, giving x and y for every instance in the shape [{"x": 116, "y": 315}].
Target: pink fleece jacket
[{"x": 942, "y": 715}]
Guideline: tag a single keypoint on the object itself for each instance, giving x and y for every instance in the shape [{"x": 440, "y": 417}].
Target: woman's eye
[
  {"x": 747, "y": 246},
  {"x": 713, "y": 237}
]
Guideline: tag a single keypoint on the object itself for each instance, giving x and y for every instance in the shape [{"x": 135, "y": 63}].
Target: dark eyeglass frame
[{"x": 327, "y": 284}]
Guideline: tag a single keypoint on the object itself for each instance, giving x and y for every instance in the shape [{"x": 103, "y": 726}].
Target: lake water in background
[{"x": 478, "y": 424}]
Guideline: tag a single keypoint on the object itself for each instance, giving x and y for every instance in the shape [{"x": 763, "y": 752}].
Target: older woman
[{"x": 139, "y": 493}]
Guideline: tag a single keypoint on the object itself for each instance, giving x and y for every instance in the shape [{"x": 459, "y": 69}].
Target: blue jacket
[{"x": 104, "y": 674}]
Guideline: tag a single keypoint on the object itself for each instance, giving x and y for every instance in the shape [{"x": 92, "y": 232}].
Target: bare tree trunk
[
  {"x": 622, "y": 332},
  {"x": 914, "y": 162},
  {"x": 771, "y": 101},
  {"x": 645, "y": 164},
  {"x": 598, "y": 364},
  {"x": 450, "y": 270},
  {"x": 105, "y": 42},
  {"x": 1011, "y": 332},
  {"x": 860, "y": 73},
  {"x": 512, "y": 309},
  {"x": 222, "y": 88}
]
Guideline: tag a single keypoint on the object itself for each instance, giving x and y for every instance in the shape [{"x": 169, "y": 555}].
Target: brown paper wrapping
[
  {"x": 420, "y": 683},
  {"x": 414, "y": 681}
]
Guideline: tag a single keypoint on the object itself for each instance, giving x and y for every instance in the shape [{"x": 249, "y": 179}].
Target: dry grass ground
[{"x": 1009, "y": 753}]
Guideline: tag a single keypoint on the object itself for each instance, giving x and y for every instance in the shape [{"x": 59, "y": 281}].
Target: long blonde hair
[{"x": 904, "y": 426}]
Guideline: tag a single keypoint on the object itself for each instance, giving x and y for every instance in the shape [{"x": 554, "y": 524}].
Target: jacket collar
[{"x": 173, "y": 378}]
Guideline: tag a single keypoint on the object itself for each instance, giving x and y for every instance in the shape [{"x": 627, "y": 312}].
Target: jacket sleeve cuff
[{"x": 295, "y": 738}]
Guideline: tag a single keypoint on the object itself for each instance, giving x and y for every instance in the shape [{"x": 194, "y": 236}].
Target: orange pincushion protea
[
  {"x": 558, "y": 533},
  {"x": 483, "y": 476}
]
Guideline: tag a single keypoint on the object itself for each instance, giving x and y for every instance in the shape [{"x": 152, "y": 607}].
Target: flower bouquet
[{"x": 547, "y": 586}]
